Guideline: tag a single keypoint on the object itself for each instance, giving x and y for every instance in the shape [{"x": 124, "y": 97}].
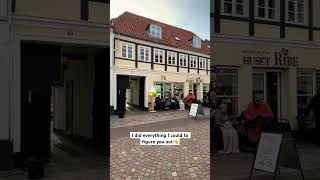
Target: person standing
[
  {"x": 256, "y": 113},
  {"x": 314, "y": 105}
]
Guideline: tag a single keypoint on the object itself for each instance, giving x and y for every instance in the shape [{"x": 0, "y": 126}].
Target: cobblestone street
[{"x": 189, "y": 160}]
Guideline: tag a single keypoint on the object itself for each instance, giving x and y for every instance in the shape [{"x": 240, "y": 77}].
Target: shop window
[
  {"x": 164, "y": 90},
  {"x": 193, "y": 62},
  {"x": 234, "y": 7},
  {"x": 178, "y": 89},
  {"x": 144, "y": 53},
  {"x": 158, "y": 56},
  {"x": 183, "y": 60},
  {"x": 266, "y": 9},
  {"x": 126, "y": 50},
  {"x": 295, "y": 11},
  {"x": 227, "y": 87},
  {"x": 205, "y": 90},
  {"x": 305, "y": 88},
  {"x": 171, "y": 58}
]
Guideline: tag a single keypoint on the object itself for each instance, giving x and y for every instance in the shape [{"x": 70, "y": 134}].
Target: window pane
[
  {"x": 300, "y": 7},
  {"x": 240, "y": 1},
  {"x": 271, "y": 3},
  {"x": 291, "y": 6},
  {"x": 124, "y": 50},
  {"x": 300, "y": 17},
  {"x": 167, "y": 90},
  {"x": 261, "y": 3},
  {"x": 291, "y": 16},
  {"x": 271, "y": 14},
  {"x": 304, "y": 82},
  {"x": 227, "y": 82},
  {"x": 228, "y": 8},
  {"x": 239, "y": 9},
  {"x": 302, "y": 103},
  {"x": 261, "y": 12}
]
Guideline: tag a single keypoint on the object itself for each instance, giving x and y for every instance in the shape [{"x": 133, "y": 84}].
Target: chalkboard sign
[
  {"x": 193, "y": 109},
  {"x": 268, "y": 151},
  {"x": 289, "y": 156},
  {"x": 196, "y": 109},
  {"x": 275, "y": 150}
]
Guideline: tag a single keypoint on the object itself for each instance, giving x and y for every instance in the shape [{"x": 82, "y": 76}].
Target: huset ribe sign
[{"x": 268, "y": 59}]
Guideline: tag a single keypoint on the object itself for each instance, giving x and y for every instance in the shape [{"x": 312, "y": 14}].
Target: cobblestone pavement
[
  {"x": 237, "y": 166},
  {"x": 147, "y": 117},
  {"x": 189, "y": 160}
]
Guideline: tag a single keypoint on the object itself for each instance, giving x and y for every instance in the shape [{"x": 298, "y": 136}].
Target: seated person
[
  {"x": 255, "y": 115},
  {"x": 225, "y": 136},
  {"x": 159, "y": 103}
]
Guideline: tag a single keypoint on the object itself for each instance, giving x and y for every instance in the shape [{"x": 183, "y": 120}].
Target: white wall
[
  {"x": 4, "y": 80},
  {"x": 82, "y": 74}
]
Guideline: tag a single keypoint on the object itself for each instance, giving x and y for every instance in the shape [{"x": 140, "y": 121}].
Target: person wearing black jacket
[{"x": 315, "y": 106}]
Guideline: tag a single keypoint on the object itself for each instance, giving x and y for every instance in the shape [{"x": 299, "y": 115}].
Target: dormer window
[
  {"x": 155, "y": 30},
  {"x": 177, "y": 38},
  {"x": 196, "y": 42}
]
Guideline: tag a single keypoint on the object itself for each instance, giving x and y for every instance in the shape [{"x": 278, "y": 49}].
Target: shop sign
[
  {"x": 192, "y": 80},
  {"x": 266, "y": 58}
]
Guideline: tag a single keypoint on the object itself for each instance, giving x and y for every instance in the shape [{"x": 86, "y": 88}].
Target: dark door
[
  {"x": 122, "y": 84},
  {"x": 40, "y": 66},
  {"x": 141, "y": 93},
  {"x": 69, "y": 106},
  {"x": 272, "y": 92},
  {"x": 101, "y": 101},
  {"x": 195, "y": 91}
]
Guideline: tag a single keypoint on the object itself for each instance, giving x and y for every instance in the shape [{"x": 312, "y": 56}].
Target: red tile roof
[{"x": 132, "y": 25}]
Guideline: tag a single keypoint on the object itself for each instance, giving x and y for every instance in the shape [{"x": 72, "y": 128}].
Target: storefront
[{"x": 284, "y": 73}]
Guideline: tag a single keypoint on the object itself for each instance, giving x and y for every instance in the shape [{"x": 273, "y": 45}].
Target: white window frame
[
  {"x": 196, "y": 42},
  {"x": 127, "y": 45},
  {"x": 202, "y": 63},
  {"x": 304, "y": 12},
  {"x": 183, "y": 60},
  {"x": 158, "y": 52},
  {"x": 171, "y": 55},
  {"x": 266, "y": 10},
  {"x": 193, "y": 61},
  {"x": 155, "y": 31},
  {"x": 314, "y": 83},
  {"x": 145, "y": 58},
  {"x": 234, "y": 4}
]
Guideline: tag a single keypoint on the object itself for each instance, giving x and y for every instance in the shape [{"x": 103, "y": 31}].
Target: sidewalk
[
  {"x": 148, "y": 117},
  {"x": 237, "y": 166},
  {"x": 189, "y": 160}
]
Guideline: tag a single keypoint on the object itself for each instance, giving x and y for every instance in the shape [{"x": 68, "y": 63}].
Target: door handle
[
  {"x": 29, "y": 96},
  {"x": 119, "y": 92}
]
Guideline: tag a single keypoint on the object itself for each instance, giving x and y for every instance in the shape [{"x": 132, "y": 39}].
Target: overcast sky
[{"x": 193, "y": 15}]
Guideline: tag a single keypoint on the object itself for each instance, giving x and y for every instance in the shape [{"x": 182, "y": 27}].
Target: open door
[{"x": 40, "y": 66}]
